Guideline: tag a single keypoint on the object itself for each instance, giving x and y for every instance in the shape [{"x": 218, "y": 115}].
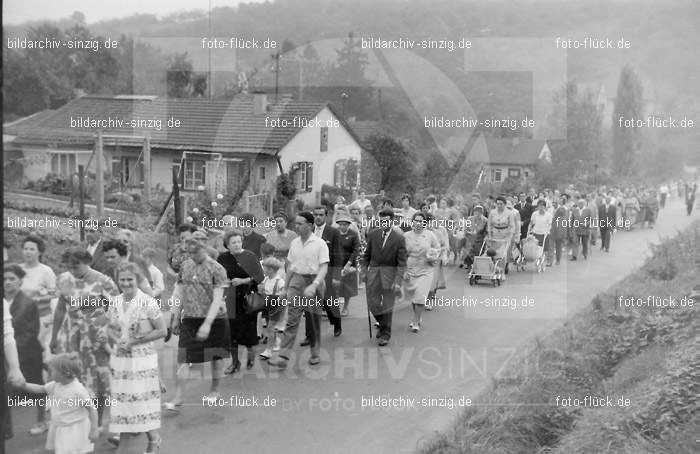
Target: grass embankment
[{"x": 650, "y": 356}]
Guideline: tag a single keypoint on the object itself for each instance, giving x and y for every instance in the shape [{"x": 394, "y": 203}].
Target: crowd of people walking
[{"x": 92, "y": 330}]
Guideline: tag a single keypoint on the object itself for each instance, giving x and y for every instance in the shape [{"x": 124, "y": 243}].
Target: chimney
[
  {"x": 259, "y": 103},
  {"x": 516, "y": 142}
]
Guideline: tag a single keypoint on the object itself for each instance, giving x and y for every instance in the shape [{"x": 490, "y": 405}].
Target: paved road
[{"x": 319, "y": 410}]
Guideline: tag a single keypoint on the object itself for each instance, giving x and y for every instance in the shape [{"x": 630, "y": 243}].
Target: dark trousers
[
  {"x": 662, "y": 200},
  {"x": 331, "y": 308},
  {"x": 381, "y": 304},
  {"x": 583, "y": 241},
  {"x": 558, "y": 245},
  {"x": 605, "y": 234}
]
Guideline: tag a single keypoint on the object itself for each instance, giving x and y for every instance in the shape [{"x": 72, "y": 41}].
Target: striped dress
[{"x": 135, "y": 385}]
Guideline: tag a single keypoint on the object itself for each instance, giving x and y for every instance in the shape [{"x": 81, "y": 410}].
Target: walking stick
[{"x": 369, "y": 321}]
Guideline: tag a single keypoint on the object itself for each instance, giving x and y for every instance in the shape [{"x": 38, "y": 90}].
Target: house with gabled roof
[
  {"x": 221, "y": 145},
  {"x": 509, "y": 157}
]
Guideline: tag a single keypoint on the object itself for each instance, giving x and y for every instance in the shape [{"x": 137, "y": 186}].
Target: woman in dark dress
[
  {"x": 349, "y": 249},
  {"x": 25, "y": 319},
  {"x": 244, "y": 270}
]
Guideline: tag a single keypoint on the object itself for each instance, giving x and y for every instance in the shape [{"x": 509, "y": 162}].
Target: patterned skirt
[{"x": 136, "y": 389}]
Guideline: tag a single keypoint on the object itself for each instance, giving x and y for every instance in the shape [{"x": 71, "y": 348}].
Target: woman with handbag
[
  {"x": 136, "y": 322},
  {"x": 350, "y": 250},
  {"x": 244, "y": 270}
]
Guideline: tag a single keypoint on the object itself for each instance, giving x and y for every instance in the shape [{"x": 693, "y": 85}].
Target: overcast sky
[{"x": 18, "y": 11}]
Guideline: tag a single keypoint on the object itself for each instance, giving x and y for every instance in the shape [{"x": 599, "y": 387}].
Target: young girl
[
  {"x": 73, "y": 425},
  {"x": 273, "y": 287}
]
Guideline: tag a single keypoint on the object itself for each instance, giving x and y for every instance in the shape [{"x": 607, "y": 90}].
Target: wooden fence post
[
  {"x": 176, "y": 198},
  {"x": 81, "y": 200},
  {"x": 147, "y": 168},
  {"x": 99, "y": 177}
]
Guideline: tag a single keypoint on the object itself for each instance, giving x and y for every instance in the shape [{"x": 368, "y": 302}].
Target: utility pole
[
  {"x": 176, "y": 196},
  {"x": 81, "y": 200},
  {"x": 99, "y": 177},
  {"x": 147, "y": 168},
  {"x": 210, "y": 37},
  {"x": 276, "y": 56},
  {"x": 343, "y": 97}
]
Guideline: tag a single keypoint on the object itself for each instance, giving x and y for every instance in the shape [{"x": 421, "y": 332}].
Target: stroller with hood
[{"x": 491, "y": 263}]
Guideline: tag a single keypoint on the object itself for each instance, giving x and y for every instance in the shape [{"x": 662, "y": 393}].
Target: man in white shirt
[{"x": 308, "y": 264}]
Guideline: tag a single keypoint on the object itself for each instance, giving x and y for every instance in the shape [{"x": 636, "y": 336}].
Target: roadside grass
[{"x": 648, "y": 355}]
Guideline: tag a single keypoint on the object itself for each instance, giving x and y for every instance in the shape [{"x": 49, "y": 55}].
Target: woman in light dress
[
  {"x": 422, "y": 249},
  {"x": 136, "y": 322}
]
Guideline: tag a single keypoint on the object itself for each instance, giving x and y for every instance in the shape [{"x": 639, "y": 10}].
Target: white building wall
[
  {"x": 306, "y": 146},
  {"x": 38, "y": 161}
]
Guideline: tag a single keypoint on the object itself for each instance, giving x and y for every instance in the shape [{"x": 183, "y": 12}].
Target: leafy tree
[
  {"x": 92, "y": 71},
  {"x": 393, "y": 161},
  {"x": 178, "y": 77},
  {"x": 436, "y": 173},
  {"x": 348, "y": 76},
  {"x": 577, "y": 115},
  {"x": 628, "y": 106},
  {"x": 182, "y": 81}
]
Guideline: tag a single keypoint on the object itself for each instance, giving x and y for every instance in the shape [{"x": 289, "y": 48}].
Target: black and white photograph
[{"x": 343, "y": 227}]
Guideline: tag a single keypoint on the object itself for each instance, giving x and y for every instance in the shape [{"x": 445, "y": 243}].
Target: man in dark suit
[
  {"x": 385, "y": 261},
  {"x": 606, "y": 218},
  {"x": 524, "y": 207},
  {"x": 560, "y": 228},
  {"x": 579, "y": 228},
  {"x": 331, "y": 236}
]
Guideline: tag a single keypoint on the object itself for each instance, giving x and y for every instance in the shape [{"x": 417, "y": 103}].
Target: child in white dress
[{"x": 73, "y": 425}]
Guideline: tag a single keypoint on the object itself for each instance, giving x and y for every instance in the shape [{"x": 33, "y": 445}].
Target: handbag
[{"x": 254, "y": 302}]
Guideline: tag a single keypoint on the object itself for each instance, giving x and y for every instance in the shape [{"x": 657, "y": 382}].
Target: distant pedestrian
[
  {"x": 252, "y": 240},
  {"x": 663, "y": 193},
  {"x": 690, "y": 190}
]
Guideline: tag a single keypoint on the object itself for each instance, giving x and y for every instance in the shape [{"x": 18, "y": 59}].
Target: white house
[{"x": 223, "y": 145}]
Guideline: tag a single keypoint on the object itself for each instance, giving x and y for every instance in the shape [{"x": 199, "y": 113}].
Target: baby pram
[
  {"x": 534, "y": 252},
  {"x": 490, "y": 267}
]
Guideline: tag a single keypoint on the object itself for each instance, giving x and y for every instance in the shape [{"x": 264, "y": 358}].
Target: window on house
[
  {"x": 193, "y": 174},
  {"x": 515, "y": 173},
  {"x": 340, "y": 173},
  {"x": 324, "y": 138},
  {"x": 497, "y": 175},
  {"x": 261, "y": 172},
  {"x": 64, "y": 164},
  {"x": 303, "y": 176},
  {"x": 527, "y": 174}
]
